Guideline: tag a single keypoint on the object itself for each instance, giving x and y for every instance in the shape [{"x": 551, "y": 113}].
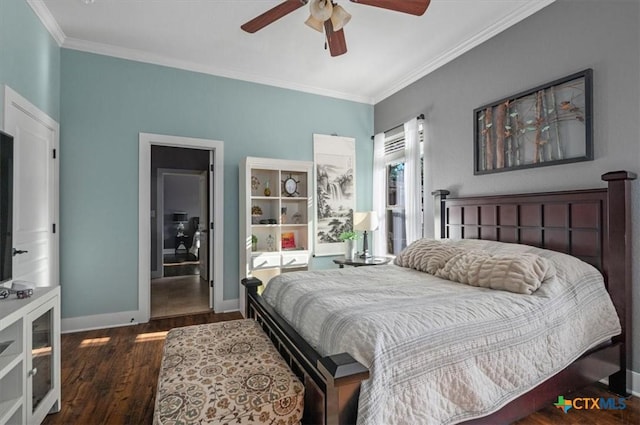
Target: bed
[{"x": 592, "y": 225}]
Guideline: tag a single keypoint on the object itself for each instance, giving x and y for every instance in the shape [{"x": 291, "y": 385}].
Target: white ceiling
[{"x": 386, "y": 50}]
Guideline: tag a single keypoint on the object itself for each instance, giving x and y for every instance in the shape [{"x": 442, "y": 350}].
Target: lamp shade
[
  {"x": 339, "y": 18},
  {"x": 321, "y": 9},
  {"x": 180, "y": 216},
  {"x": 365, "y": 221},
  {"x": 315, "y": 24}
]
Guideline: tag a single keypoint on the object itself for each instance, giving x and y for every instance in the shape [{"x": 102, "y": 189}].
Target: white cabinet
[
  {"x": 276, "y": 217},
  {"x": 30, "y": 357}
]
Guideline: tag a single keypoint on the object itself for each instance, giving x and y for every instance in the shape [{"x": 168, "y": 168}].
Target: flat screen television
[{"x": 6, "y": 207}]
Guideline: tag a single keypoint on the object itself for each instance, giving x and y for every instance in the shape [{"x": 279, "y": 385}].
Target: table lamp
[
  {"x": 365, "y": 221},
  {"x": 180, "y": 217}
]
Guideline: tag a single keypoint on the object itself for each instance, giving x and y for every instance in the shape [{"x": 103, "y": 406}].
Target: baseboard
[
  {"x": 227, "y": 306},
  {"x": 100, "y": 321},
  {"x": 123, "y": 318},
  {"x": 168, "y": 251},
  {"x": 156, "y": 274}
]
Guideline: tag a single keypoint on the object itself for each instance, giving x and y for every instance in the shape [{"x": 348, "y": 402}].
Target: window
[
  {"x": 395, "y": 193},
  {"x": 395, "y": 219}
]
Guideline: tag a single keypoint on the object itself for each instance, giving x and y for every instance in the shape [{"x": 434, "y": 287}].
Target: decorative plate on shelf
[{"x": 290, "y": 186}]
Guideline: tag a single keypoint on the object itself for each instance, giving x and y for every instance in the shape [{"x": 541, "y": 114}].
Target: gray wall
[
  {"x": 181, "y": 193},
  {"x": 566, "y": 37}
]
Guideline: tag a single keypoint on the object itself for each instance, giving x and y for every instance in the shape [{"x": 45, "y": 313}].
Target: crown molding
[
  {"x": 49, "y": 22},
  {"x": 151, "y": 58},
  {"x": 44, "y": 14},
  {"x": 485, "y": 34}
]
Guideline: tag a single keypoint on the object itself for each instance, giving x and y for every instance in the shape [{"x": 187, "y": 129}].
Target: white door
[
  {"x": 212, "y": 229},
  {"x": 35, "y": 206},
  {"x": 203, "y": 226},
  {"x": 207, "y": 196}
]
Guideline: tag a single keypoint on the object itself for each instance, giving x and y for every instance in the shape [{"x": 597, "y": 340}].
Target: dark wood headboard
[
  {"x": 593, "y": 225},
  {"x": 570, "y": 222}
]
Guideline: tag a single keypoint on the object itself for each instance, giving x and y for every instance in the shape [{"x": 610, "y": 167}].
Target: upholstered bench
[{"x": 225, "y": 373}]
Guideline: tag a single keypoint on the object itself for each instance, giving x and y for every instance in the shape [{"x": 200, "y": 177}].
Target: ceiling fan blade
[
  {"x": 335, "y": 39},
  {"x": 272, "y": 15},
  {"x": 413, "y": 7}
]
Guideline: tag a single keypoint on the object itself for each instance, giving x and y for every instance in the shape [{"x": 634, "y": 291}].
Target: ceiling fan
[{"x": 327, "y": 15}]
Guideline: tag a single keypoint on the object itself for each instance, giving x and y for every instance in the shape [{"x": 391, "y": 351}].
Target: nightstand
[
  {"x": 359, "y": 262},
  {"x": 182, "y": 241}
]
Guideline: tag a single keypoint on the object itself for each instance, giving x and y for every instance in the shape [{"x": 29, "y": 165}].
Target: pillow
[
  {"x": 522, "y": 273},
  {"x": 460, "y": 261},
  {"x": 427, "y": 255}
]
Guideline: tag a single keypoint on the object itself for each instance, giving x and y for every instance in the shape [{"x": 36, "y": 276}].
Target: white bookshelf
[{"x": 280, "y": 223}]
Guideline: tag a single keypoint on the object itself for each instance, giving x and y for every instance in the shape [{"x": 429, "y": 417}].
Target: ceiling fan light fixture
[
  {"x": 339, "y": 17},
  {"x": 315, "y": 24},
  {"x": 329, "y": 18},
  {"x": 321, "y": 10}
]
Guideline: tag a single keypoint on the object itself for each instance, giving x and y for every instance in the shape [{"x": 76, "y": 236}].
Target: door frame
[{"x": 146, "y": 140}]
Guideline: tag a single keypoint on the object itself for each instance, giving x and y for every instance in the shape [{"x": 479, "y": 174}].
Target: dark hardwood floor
[{"x": 109, "y": 377}]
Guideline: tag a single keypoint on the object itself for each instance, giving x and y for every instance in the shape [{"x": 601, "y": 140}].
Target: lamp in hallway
[
  {"x": 365, "y": 221},
  {"x": 180, "y": 217}
]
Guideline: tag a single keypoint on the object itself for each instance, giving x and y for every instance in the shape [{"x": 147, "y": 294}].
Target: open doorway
[
  {"x": 179, "y": 276},
  {"x": 178, "y": 238}
]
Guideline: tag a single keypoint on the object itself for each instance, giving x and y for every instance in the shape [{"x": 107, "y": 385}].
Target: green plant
[
  {"x": 348, "y": 236},
  {"x": 254, "y": 239}
]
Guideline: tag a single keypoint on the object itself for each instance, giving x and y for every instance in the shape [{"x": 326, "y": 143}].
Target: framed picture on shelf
[
  {"x": 288, "y": 240},
  {"x": 548, "y": 125}
]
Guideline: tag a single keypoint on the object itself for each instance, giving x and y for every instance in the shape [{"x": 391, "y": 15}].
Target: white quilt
[{"x": 442, "y": 352}]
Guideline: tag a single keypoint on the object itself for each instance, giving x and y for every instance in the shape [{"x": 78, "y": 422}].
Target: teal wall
[
  {"x": 106, "y": 102},
  {"x": 29, "y": 57}
]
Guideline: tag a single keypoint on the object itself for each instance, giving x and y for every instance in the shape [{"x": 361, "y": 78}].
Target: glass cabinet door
[
  {"x": 41, "y": 371},
  {"x": 43, "y": 361}
]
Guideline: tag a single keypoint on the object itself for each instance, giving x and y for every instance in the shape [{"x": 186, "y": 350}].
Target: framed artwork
[
  {"x": 547, "y": 125},
  {"x": 335, "y": 186}
]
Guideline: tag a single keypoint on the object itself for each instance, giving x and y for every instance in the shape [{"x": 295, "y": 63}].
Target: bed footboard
[{"x": 332, "y": 383}]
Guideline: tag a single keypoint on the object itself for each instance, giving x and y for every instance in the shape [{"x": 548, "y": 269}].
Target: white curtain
[
  {"x": 379, "y": 193},
  {"x": 412, "y": 182}
]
